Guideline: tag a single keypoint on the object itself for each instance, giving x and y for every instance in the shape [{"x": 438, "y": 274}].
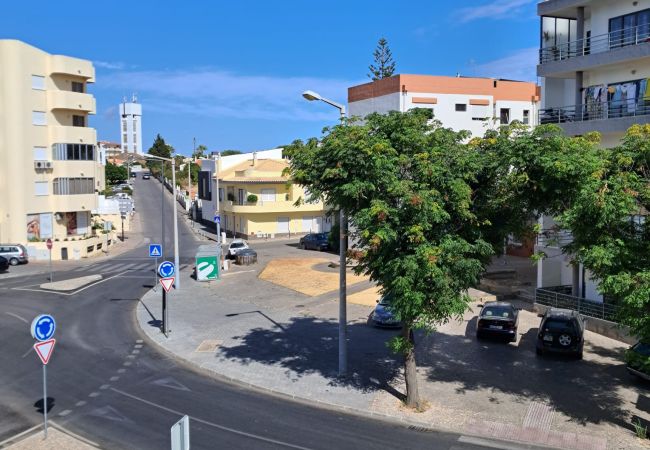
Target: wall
[
  {"x": 602, "y": 11},
  {"x": 382, "y": 104}
]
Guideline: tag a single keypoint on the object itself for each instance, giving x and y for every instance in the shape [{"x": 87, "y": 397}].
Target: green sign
[{"x": 207, "y": 268}]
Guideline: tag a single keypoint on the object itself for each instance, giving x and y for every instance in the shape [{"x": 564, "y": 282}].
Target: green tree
[
  {"x": 230, "y": 152},
  {"x": 115, "y": 173},
  {"x": 159, "y": 148},
  {"x": 410, "y": 189},
  {"x": 384, "y": 66},
  {"x": 200, "y": 152}
]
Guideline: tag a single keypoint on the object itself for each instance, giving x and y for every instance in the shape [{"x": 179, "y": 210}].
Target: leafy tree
[
  {"x": 230, "y": 152},
  {"x": 200, "y": 151},
  {"x": 115, "y": 173},
  {"x": 412, "y": 190},
  {"x": 384, "y": 66},
  {"x": 159, "y": 148}
]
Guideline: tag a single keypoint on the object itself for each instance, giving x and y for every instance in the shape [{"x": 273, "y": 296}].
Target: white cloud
[
  {"x": 496, "y": 9},
  {"x": 520, "y": 65},
  {"x": 109, "y": 65},
  {"x": 215, "y": 93}
]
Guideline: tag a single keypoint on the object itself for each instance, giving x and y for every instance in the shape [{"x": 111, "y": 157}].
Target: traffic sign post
[
  {"x": 49, "y": 248},
  {"x": 180, "y": 433},
  {"x": 166, "y": 270},
  {"x": 42, "y": 329},
  {"x": 155, "y": 251}
]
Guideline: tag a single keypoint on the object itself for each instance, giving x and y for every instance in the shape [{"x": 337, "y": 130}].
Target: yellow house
[{"x": 257, "y": 201}]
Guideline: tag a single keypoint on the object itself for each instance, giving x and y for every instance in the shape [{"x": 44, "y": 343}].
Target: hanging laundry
[
  {"x": 630, "y": 94},
  {"x": 646, "y": 95}
]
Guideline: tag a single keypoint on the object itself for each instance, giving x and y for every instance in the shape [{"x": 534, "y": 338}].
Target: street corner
[{"x": 309, "y": 276}]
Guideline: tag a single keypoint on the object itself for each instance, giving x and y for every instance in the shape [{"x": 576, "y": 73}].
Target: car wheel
[
  {"x": 564, "y": 340},
  {"x": 13, "y": 261}
]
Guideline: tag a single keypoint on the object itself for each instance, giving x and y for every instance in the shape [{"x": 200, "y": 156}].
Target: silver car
[{"x": 15, "y": 253}]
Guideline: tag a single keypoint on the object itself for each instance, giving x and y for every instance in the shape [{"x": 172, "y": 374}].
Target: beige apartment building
[{"x": 50, "y": 170}]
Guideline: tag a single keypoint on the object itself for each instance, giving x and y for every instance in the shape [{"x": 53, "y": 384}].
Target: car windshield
[
  {"x": 558, "y": 325},
  {"x": 498, "y": 311},
  {"x": 237, "y": 245},
  {"x": 321, "y": 236},
  {"x": 386, "y": 300}
]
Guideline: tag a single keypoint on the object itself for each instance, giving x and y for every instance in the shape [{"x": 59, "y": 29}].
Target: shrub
[
  {"x": 637, "y": 361},
  {"x": 252, "y": 198}
]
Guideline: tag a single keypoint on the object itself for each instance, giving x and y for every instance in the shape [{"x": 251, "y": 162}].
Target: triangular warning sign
[
  {"x": 155, "y": 252},
  {"x": 167, "y": 283},
  {"x": 45, "y": 349}
]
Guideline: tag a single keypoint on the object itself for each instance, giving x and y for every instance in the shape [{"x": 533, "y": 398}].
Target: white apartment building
[
  {"x": 460, "y": 103},
  {"x": 595, "y": 73},
  {"x": 49, "y": 165},
  {"x": 131, "y": 126}
]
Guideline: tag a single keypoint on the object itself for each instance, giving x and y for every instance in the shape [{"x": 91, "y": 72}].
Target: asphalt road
[{"x": 106, "y": 384}]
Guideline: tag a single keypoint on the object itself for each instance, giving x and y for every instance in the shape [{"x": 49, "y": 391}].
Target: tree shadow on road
[{"x": 308, "y": 345}]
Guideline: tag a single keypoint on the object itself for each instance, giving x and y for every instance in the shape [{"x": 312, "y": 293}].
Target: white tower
[{"x": 131, "y": 122}]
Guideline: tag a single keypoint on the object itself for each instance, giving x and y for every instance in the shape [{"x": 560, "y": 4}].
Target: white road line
[
  {"x": 28, "y": 352},
  {"x": 205, "y": 422},
  {"x": 235, "y": 273},
  {"x": 17, "y": 317}
]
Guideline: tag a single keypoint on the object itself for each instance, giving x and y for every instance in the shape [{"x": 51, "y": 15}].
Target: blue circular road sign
[
  {"x": 43, "y": 327},
  {"x": 166, "y": 269}
]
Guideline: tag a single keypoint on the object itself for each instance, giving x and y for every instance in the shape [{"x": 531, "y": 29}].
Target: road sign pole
[
  {"x": 155, "y": 275},
  {"x": 45, "y": 399},
  {"x": 164, "y": 312},
  {"x": 51, "y": 280}
]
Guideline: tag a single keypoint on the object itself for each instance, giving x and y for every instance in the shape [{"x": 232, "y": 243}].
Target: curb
[{"x": 329, "y": 406}]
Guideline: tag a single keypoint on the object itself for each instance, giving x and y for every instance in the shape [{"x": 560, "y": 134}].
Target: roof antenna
[{"x": 457, "y": 74}]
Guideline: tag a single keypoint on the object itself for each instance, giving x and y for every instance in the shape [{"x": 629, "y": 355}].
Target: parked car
[
  {"x": 4, "y": 264},
  {"x": 15, "y": 253},
  {"x": 314, "y": 241},
  {"x": 382, "y": 316},
  {"x": 498, "y": 319},
  {"x": 133, "y": 174},
  {"x": 236, "y": 245},
  {"x": 637, "y": 359},
  {"x": 146, "y": 176},
  {"x": 561, "y": 331}
]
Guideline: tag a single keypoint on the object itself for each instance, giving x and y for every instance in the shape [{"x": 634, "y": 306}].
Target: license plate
[
  {"x": 548, "y": 338},
  {"x": 495, "y": 327}
]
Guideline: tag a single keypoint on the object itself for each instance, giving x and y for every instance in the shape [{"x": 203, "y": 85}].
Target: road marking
[
  {"x": 115, "y": 378},
  {"x": 17, "y": 317},
  {"x": 205, "y": 422},
  {"x": 65, "y": 412},
  {"x": 80, "y": 403},
  {"x": 237, "y": 273},
  {"x": 93, "y": 394},
  {"x": 75, "y": 292},
  {"x": 28, "y": 352}
]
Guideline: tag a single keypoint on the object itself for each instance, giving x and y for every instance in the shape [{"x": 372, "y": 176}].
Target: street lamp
[
  {"x": 343, "y": 248},
  {"x": 173, "y": 161}
]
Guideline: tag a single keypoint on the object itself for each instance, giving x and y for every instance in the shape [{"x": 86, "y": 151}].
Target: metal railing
[
  {"x": 560, "y": 297},
  {"x": 554, "y": 237},
  {"x": 596, "y": 44},
  {"x": 595, "y": 111}
]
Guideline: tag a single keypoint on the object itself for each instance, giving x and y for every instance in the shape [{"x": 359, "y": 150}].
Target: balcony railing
[
  {"x": 560, "y": 297},
  {"x": 595, "y": 111},
  {"x": 596, "y": 44}
]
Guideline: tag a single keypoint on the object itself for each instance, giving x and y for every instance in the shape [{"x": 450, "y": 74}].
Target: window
[
  {"x": 38, "y": 82},
  {"x": 461, "y": 107},
  {"x": 77, "y": 86},
  {"x": 240, "y": 196},
  {"x": 629, "y": 29},
  {"x": 40, "y": 188},
  {"x": 40, "y": 154},
  {"x": 526, "y": 117},
  {"x": 504, "y": 116},
  {"x": 73, "y": 186},
  {"x": 268, "y": 195},
  {"x": 78, "y": 121},
  {"x": 283, "y": 224},
  {"x": 480, "y": 112},
  {"x": 124, "y": 126},
  {"x": 73, "y": 152},
  {"x": 38, "y": 118}
]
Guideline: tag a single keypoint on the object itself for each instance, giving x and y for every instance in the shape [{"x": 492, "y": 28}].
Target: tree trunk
[{"x": 410, "y": 369}]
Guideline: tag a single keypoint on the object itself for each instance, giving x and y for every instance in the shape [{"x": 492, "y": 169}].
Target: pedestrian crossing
[{"x": 116, "y": 266}]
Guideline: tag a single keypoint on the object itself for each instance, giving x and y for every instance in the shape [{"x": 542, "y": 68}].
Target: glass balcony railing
[
  {"x": 596, "y": 44},
  {"x": 595, "y": 111}
]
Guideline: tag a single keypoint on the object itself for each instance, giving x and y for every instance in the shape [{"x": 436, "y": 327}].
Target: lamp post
[
  {"x": 343, "y": 248},
  {"x": 173, "y": 161}
]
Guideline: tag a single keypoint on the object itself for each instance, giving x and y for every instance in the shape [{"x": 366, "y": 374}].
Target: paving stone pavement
[{"x": 257, "y": 333}]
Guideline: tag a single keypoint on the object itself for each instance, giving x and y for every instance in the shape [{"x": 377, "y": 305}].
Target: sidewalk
[{"x": 253, "y": 332}]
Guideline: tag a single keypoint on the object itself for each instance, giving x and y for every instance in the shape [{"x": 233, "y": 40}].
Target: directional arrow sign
[
  {"x": 45, "y": 349},
  {"x": 167, "y": 283}
]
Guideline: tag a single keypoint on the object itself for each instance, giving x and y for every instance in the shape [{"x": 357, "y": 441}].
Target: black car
[
  {"x": 637, "y": 359},
  {"x": 498, "y": 319},
  {"x": 4, "y": 264},
  {"x": 314, "y": 241},
  {"x": 561, "y": 331},
  {"x": 382, "y": 316}
]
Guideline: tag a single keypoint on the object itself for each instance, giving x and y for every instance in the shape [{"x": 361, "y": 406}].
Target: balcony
[
  {"x": 72, "y": 135},
  {"x": 560, "y": 8},
  {"x": 73, "y": 101},
  {"x": 72, "y": 203},
  {"x": 72, "y": 66},
  {"x": 269, "y": 207},
  {"x": 604, "y": 117},
  {"x": 612, "y": 48}
]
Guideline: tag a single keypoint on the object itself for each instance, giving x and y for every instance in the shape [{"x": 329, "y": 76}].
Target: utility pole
[{"x": 218, "y": 209}]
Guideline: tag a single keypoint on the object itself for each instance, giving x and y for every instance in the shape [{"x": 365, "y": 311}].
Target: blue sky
[{"x": 231, "y": 74}]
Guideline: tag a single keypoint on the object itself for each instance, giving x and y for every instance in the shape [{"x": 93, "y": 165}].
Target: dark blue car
[
  {"x": 314, "y": 241},
  {"x": 382, "y": 316}
]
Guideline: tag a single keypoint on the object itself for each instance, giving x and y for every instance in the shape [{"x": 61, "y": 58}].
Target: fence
[{"x": 560, "y": 297}]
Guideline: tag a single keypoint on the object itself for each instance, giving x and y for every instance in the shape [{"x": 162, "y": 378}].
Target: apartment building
[
  {"x": 594, "y": 63},
  {"x": 49, "y": 165},
  {"x": 460, "y": 103},
  {"x": 131, "y": 126},
  {"x": 255, "y": 199}
]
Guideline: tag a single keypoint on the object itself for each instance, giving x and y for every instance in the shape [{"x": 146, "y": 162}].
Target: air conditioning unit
[{"x": 43, "y": 165}]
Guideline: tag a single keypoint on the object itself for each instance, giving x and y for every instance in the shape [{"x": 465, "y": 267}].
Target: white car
[{"x": 235, "y": 247}]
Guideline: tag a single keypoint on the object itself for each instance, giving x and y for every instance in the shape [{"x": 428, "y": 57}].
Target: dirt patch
[
  {"x": 301, "y": 274},
  {"x": 368, "y": 297}
]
